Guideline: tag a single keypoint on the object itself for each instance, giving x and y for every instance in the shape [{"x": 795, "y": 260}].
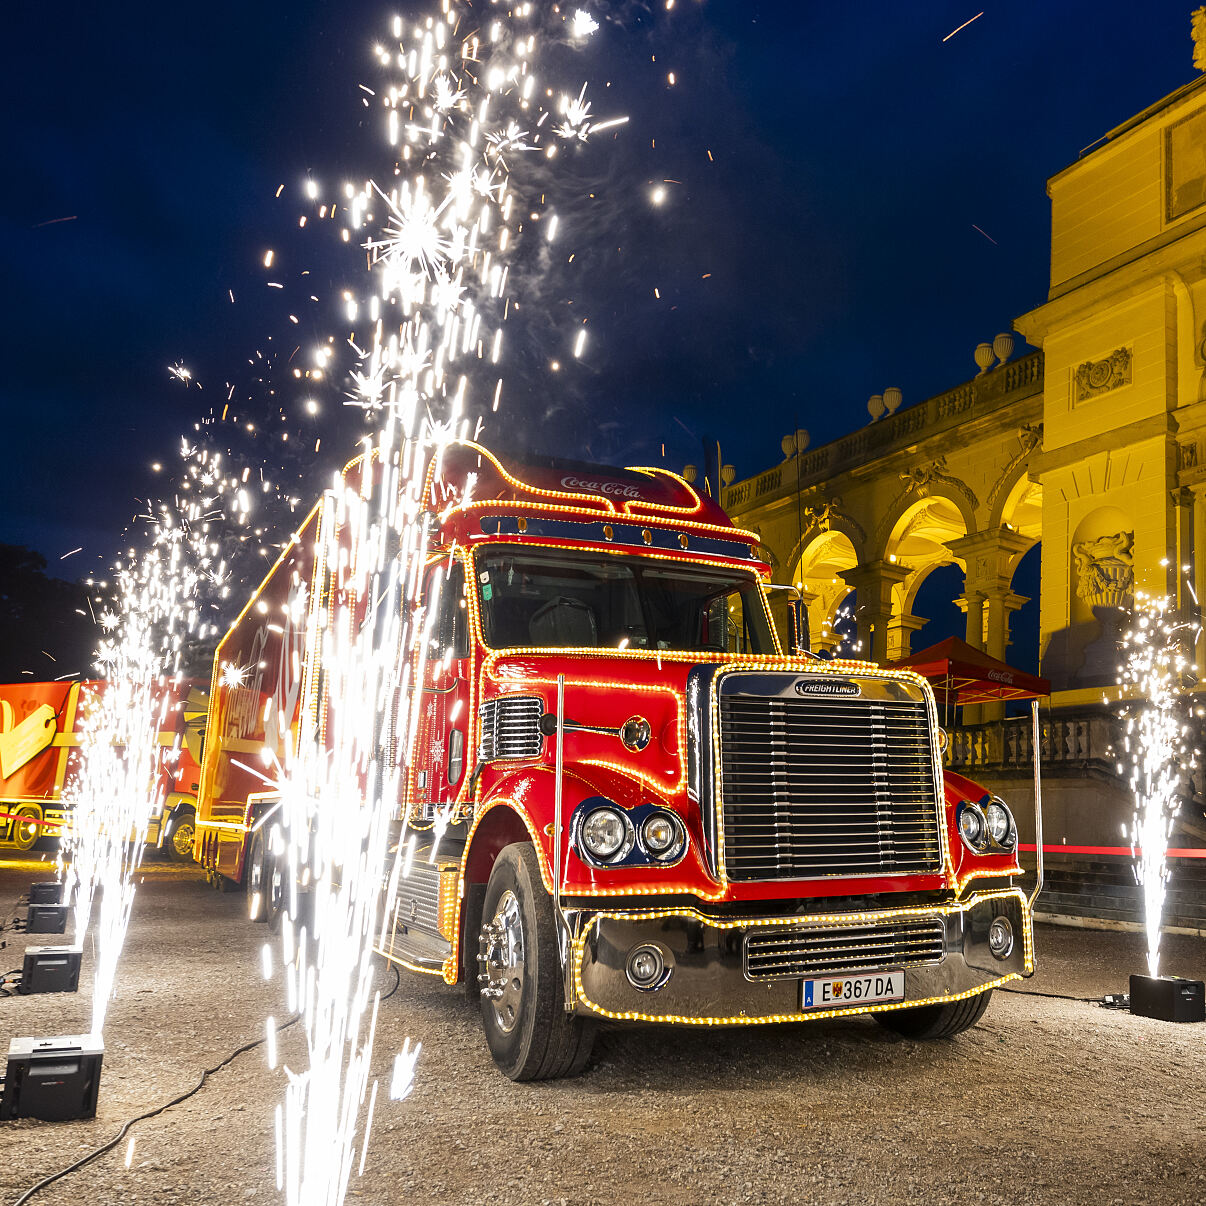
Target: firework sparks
[
  {"x": 1157, "y": 745},
  {"x": 461, "y": 114},
  {"x": 154, "y": 621}
]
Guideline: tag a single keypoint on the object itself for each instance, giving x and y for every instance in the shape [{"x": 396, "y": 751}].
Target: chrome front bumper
[{"x": 708, "y": 982}]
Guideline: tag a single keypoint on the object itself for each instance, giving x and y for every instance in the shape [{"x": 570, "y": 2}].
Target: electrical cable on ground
[
  {"x": 1055, "y": 996},
  {"x": 100, "y": 1151}
]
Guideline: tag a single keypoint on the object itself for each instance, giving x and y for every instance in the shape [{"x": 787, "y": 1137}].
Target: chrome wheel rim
[
  {"x": 182, "y": 839},
  {"x": 26, "y": 829},
  {"x": 501, "y": 959}
]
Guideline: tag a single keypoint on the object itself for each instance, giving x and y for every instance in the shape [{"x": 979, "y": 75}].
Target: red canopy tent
[{"x": 961, "y": 675}]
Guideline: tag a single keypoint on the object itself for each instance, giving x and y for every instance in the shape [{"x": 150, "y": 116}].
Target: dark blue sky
[{"x": 853, "y": 153}]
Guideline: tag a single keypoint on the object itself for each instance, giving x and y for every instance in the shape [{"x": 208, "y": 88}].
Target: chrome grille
[
  {"x": 510, "y": 727},
  {"x": 796, "y": 954},
  {"x": 820, "y": 786}
]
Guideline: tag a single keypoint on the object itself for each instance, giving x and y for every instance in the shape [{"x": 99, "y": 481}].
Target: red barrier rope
[
  {"x": 1127, "y": 851},
  {"x": 17, "y": 816}
]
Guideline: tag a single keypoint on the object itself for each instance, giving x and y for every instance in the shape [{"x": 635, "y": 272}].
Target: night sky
[{"x": 827, "y": 248}]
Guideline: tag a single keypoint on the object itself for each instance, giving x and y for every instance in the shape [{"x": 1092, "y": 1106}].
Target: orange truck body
[{"x": 41, "y": 726}]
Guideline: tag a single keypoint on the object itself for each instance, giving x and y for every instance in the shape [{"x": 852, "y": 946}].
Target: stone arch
[
  {"x": 960, "y": 502},
  {"x": 1016, "y": 501},
  {"x": 835, "y": 522},
  {"x": 818, "y": 572}
]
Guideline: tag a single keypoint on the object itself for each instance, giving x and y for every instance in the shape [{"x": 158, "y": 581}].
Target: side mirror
[{"x": 800, "y": 637}]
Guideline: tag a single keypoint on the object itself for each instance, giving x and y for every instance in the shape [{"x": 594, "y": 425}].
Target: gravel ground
[{"x": 1046, "y": 1100}]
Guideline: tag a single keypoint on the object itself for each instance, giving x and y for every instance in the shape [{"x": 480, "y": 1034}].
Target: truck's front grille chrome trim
[
  {"x": 801, "y": 953},
  {"x": 818, "y": 786},
  {"x": 510, "y": 728}
]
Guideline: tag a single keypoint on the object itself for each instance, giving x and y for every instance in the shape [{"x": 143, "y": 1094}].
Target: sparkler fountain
[
  {"x": 154, "y": 617},
  {"x": 464, "y": 120},
  {"x": 1157, "y": 744}
]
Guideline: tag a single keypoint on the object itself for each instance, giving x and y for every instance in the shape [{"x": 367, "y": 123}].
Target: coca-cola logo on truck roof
[{"x": 618, "y": 489}]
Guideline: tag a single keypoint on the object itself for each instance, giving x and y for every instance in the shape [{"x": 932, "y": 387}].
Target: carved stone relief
[
  {"x": 1105, "y": 569},
  {"x": 1100, "y": 376}
]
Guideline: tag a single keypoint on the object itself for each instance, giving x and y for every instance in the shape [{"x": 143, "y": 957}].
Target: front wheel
[
  {"x": 936, "y": 1021},
  {"x": 529, "y": 1034},
  {"x": 178, "y": 841},
  {"x": 256, "y": 876}
]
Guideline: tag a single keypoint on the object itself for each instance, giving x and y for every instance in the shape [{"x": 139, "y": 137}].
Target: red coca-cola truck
[
  {"x": 649, "y": 808},
  {"x": 41, "y": 727}
]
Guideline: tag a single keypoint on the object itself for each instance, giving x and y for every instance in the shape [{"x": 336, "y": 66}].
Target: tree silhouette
[{"x": 46, "y": 627}]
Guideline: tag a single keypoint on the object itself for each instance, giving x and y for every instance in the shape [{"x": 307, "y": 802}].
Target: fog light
[
  {"x": 1000, "y": 937},
  {"x": 646, "y": 968}
]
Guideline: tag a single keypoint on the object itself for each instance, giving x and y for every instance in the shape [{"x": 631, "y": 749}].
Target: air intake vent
[{"x": 511, "y": 728}]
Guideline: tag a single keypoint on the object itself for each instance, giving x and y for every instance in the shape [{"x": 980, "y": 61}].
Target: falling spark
[
  {"x": 180, "y": 373},
  {"x": 582, "y": 24},
  {"x": 963, "y": 26}
]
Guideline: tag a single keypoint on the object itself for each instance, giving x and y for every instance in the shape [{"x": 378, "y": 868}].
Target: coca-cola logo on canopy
[{"x": 613, "y": 489}]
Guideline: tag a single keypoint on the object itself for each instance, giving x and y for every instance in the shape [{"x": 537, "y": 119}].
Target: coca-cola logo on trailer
[
  {"x": 836, "y": 686},
  {"x": 617, "y": 489}
]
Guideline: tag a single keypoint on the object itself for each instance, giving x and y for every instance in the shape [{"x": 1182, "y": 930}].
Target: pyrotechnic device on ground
[
  {"x": 55, "y": 1079},
  {"x": 46, "y": 919},
  {"x": 51, "y": 969},
  {"x": 1169, "y": 998},
  {"x": 48, "y": 892}
]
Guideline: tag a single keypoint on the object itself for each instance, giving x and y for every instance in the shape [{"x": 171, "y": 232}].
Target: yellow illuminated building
[{"x": 1093, "y": 445}]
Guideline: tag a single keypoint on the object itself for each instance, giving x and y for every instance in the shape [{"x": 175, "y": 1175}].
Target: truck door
[{"x": 443, "y": 756}]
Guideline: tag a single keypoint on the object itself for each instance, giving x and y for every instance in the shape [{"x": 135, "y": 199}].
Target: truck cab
[{"x": 627, "y": 800}]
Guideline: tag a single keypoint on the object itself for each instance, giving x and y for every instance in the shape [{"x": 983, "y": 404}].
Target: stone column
[
  {"x": 874, "y": 583},
  {"x": 987, "y": 599},
  {"x": 900, "y": 635}
]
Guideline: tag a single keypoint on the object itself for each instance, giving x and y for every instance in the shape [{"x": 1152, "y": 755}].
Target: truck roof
[{"x": 468, "y": 476}]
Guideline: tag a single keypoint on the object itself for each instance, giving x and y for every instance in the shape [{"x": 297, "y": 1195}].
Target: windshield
[{"x": 553, "y": 598}]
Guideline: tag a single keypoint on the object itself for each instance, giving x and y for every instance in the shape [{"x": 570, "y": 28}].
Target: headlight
[
  {"x": 1000, "y": 822},
  {"x": 662, "y": 836},
  {"x": 604, "y": 833},
  {"x": 973, "y": 828}
]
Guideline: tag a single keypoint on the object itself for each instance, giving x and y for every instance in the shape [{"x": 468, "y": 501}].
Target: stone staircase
[{"x": 1104, "y": 890}]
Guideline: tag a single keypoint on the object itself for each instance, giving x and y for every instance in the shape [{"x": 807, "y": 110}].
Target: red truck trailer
[
  {"x": 40, "y": 733},
  {"x": 648, "y": 809}
]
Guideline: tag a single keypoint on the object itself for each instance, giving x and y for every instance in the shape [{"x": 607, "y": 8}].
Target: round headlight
[
  {"x": 659, "y": 835},
  {"x": 999, "y": 821},
  {"x": 603, "y": 832},
  {"x": 972, "y": 826}
]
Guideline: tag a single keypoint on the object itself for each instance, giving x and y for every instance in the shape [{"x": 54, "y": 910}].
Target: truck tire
[
  {"x": 256, "y": 876},
  {"x": 936, "y": 1021},
  {"x": 529, "y": 1034},
  {"x": 25, "y": 828},
  {"x": 178, "y": 840}
]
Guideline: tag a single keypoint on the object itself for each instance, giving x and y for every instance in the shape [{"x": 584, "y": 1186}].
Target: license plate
[{"x": 843, "y": 991}]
